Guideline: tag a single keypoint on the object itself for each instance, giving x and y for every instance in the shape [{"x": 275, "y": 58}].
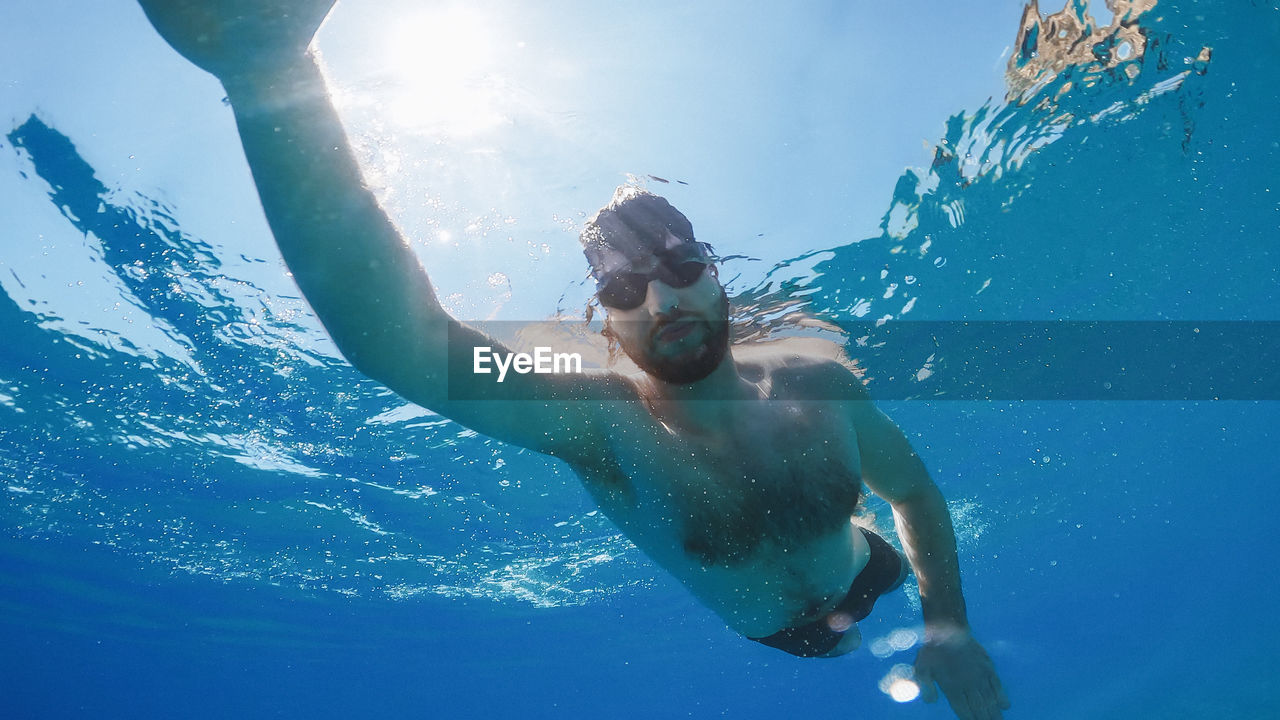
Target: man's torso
[{"x": 754, "y": 516}]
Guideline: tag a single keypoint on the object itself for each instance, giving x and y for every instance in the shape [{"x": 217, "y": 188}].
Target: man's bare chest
[{"x": 782, "y": 476}]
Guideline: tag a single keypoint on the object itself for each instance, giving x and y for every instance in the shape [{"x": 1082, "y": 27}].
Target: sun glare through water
[{"x": 444, "y": 66}]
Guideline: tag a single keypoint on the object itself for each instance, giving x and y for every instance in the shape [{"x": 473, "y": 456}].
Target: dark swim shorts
[{"x": 883, "y": 573}]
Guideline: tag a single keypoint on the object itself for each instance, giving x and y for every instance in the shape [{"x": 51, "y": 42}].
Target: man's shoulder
[{"x": 803, "y": 369}]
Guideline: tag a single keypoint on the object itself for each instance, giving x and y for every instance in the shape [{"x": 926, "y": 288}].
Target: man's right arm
[{"x": 351, "y": 263}]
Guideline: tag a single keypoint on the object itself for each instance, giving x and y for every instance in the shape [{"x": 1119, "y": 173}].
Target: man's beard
[{"x": 693, "y": 364}]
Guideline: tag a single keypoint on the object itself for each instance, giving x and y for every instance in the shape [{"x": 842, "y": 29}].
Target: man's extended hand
[
  {"x": 964, "y": 671},
  {"x": 232, "y": 38}
]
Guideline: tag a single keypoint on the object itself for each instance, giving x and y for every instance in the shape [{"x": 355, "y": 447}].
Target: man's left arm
[{"x": 950, "y": 657}]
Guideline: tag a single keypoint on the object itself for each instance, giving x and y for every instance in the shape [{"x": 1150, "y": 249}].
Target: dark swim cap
[{"x": 634, "y": 227}]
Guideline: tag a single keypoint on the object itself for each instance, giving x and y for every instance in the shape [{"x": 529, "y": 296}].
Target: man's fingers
[
  {"x": 928, "y": 691},
  {"x": 1002, "y": 698},
  {"x": 988, "y": 708},
  {"x": 975, "y": 707}
]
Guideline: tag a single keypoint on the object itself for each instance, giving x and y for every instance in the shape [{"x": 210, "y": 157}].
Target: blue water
[{"x": 229, "y": 520}]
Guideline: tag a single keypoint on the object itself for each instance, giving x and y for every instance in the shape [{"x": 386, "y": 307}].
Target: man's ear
[{"x": 715, "y": 271}]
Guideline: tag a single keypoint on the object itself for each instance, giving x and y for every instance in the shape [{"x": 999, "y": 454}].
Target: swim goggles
[{"x": 627, "y": 290}]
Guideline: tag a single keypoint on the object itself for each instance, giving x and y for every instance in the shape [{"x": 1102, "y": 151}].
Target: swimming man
[{"x": 719, "y": 465}]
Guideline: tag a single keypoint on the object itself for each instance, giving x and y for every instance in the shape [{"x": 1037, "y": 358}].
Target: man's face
[{"x": 677, "y": 334}]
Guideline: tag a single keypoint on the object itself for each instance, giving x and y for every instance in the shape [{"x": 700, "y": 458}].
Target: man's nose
[{"x": 661, "y": 298}]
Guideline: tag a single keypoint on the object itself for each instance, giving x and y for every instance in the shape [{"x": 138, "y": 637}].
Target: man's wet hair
[{"x": 632, "y": 226}]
